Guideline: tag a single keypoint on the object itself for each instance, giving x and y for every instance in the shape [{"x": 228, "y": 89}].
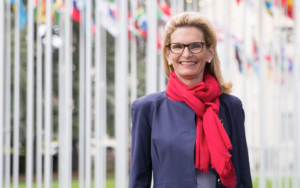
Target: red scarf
[{"x": 212, "y": 142}]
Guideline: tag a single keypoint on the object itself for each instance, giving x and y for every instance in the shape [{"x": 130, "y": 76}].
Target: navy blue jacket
[{"x": 163, "y": 141}]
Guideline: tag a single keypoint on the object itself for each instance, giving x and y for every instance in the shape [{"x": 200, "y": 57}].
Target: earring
[
  {"x": 209, "y": 61},
  {"x": 169, "y": 63}
]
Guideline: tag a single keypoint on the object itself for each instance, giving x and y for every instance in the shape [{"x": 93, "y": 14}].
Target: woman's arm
[
  {"x": 141, "y": 165},
  {"x": 245, "y": 174}
]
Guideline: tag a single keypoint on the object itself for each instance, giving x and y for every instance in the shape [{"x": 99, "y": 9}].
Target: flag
[
  {"x": 283, "y": 2},
  {"x": 40, "y": 10},
  {"x": 56, "y": 8},
  {"x": 238, "y": 58},
  {"x": 165, "y": 8},
  {"x": 109, "y": 17},
  {"x": 93, "y": 27},
  {"x": 255, "y": 58},
  {"x": 290, "y": 65},
  {"x": 270, "y": 71},
  {"x": 132, "y": 26},
  {"x": 163, "y": 12},
  {"x": 159, "y": 39},
  {"x": 75, "y": 15},
  {"x": 142, "y": 21},
  {"x": 290, "y": 7},
  {"x": 249, "y": 67},
  {"x": 23, "y": 13},
  {"x": 269, "y": 6},
  {"x": 113, "y": 10}
]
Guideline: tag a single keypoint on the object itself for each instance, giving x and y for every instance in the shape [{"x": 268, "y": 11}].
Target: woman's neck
[{"x": 190, "y": 82}]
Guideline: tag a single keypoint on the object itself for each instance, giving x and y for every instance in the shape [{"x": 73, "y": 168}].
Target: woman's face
[{"x": 189, "y": 66}]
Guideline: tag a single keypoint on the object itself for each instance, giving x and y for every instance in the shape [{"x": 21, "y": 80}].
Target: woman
[{"x": 192, "y": 135}]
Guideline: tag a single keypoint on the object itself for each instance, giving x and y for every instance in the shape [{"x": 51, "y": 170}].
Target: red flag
[
  {"x": 290, "y": 7},
  {"x": 75, "y": 12},
  {"x": 75, "y": 15},
  {"x": 165, "y": 8}
]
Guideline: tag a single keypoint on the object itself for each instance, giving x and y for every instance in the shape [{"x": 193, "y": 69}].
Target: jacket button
[
  {"x": 222, "y": 122},
  {"x": 219, "y": 181}
]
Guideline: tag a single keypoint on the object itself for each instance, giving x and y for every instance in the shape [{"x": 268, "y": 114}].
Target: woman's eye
[
  {"x": 177, "y": 46},
  {"x": 195, "y": 46}
]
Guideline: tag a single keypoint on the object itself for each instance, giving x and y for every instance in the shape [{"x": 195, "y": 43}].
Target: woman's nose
[{"x": 186, "y": 52}]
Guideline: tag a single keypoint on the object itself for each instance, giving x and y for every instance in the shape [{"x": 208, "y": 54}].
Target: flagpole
[
  {"x": 48, "y": 98},
  {"x": 30, "y": 96},
  {"x": 61, "y": 94},
  {"x": 195, "y": 5},
  {"x": 16, "y": 96},
  {"x": 295, "y": 92},
  {"x": 180, "y": 6},
  {"x": 8, "y": 89},
  {"x": 133, "y": 56},
  {"x": 227, "y": 43},
  {"x": 174, "y": 7},
  {"x": 2, "y": 25},
  {"x": 99, "y": 180},
  {"x": 151, "y": 64},
  {"x": 262, "y": 182},
  {"x": 279, "y": 74},
  {"x": 162, "y": 77},
  {"x": 273, "y": 110},
  {"x": 189, "y": 6},
  {"x": 245, "y": 102},
  {"x": 121, "y": 98},
  {"x": 39, "y": 104},
  {"x": 103, "y": 112},
  {"x": 88, "y": 96},
  {"x": 81, "y": 98},
  {"x": 286, "y": 108},
  {"x": 67, "y": 139}
]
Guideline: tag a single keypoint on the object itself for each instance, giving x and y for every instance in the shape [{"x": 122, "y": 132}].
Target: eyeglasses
[{"x": 194, "y": 47}]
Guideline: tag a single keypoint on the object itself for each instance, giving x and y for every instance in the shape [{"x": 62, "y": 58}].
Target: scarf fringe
[
  {"x": 205, "y": 170},
  {"x": 229, "y": 179}
]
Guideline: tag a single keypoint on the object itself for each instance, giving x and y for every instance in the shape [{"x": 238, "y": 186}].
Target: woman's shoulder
[
  {"x": 149, "y": 100},
  {"x": 232, "y": 102}
]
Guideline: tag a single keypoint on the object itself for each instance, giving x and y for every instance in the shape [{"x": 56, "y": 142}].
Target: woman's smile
[{"x": 188, "y": 63}]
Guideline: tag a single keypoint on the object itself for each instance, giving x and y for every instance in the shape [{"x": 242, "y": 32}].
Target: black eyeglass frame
[{"x": 185, "y": 45}]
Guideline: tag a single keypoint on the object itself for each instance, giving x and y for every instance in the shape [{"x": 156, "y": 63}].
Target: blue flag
[{"x": 23, "y": 14}]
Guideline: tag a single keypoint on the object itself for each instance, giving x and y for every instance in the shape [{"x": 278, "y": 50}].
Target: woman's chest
[{"x": 174, "y": 123}]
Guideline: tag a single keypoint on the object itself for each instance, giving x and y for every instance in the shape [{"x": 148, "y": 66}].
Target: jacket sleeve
[
  {"x": 245, "y": 173},
  {"x": 141, "y": 165}
]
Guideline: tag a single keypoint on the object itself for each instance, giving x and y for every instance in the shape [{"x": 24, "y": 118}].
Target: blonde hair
[{"x": 193, "y": 19}]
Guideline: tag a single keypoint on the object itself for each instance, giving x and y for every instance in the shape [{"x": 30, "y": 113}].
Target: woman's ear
[
  {"x": 167, "y": 54},
  {"x": 211, "y": 52}
]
